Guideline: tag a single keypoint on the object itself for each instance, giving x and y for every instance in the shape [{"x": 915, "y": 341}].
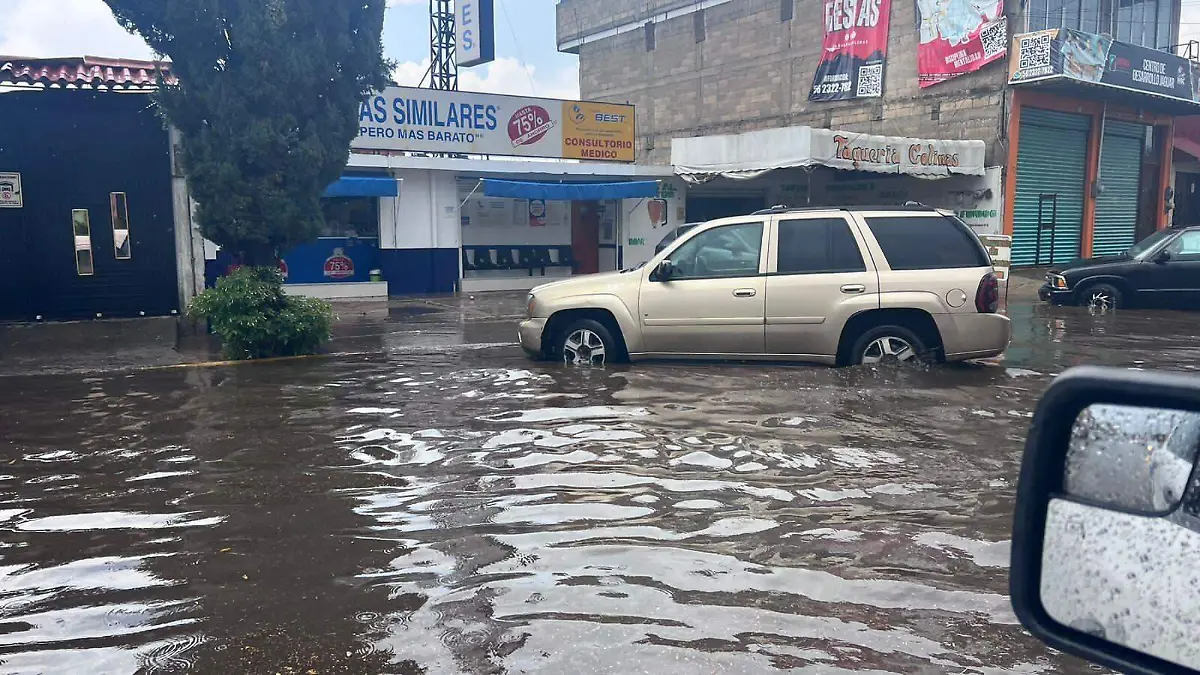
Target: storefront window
[
  {"x": 356, "y": 217},
  {"x": 1140, "y": 22}
]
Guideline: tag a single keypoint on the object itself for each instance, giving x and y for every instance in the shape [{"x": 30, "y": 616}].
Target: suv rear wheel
[{"x": 887, "y": 344}]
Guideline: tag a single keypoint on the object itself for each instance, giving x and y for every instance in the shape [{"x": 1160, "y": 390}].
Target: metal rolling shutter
[
  {"x": 1120, "y": 173},
  {"x": 1050, "y": 164}
]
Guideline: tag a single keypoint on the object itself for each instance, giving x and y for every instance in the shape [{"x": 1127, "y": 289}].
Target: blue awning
[
  {"x": 569, "y": 191},
  {"x": 364, "y": 186}
]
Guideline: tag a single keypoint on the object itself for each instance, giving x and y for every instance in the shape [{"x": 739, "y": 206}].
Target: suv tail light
[{"x": 987, "y": 296}]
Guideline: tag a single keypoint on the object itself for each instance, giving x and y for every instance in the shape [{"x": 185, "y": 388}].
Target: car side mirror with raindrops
[{"x": 1106, "y": 533}]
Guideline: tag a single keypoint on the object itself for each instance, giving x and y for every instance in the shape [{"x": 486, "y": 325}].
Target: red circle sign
[
  {"x": 338, "y": 266},
  {"x": 529, "y": 125}
]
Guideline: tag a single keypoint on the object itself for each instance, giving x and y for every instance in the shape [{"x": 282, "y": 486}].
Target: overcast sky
[{"x": 531, "y": 67}]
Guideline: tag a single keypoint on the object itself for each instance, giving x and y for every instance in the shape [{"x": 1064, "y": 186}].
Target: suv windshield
[{"x": 1144, "y": 246}]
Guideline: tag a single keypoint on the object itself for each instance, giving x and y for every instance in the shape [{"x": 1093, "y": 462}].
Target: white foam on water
[
  {"x": 699, "y": 504},
  {"x": 541, "y": 458},
  {"x": 116, "y": 520},
  {"x": 860, "y": 458},
  {"x": 982, "y": 553},
  {"x": 823, "y": 495},
  {"x": 750, "y": 466},
  {"x": 159, "y": 474},
  {"x": 373, "y": 411},
  {"x": 831, "y": 534},
  {"x": 735, "y": 527},
  {"x": 559, "y": 414},
  {"x": 703, "y": 459}
]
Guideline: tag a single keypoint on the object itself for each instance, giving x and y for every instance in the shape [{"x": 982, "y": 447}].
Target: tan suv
[{"x": 831, "y": 286}]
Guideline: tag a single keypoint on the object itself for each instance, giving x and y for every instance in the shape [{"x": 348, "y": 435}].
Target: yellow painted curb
[{"x": 245, "y": 362}]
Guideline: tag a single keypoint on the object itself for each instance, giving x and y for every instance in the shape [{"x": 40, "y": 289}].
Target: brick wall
[{"x": 754, "y": 71}]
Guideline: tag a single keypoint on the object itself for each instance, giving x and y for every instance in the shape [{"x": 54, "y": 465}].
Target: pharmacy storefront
[{"x": 504, "y": 193}]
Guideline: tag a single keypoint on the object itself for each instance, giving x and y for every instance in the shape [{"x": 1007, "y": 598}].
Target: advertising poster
[
  {"x": 10, "y": 190},
  {"x": 407, "y": 119},
  {"x": 1098, "y": 59},
  {"x": 853, "y": 51},
  {"x": 537, "y": 212},
  {"x": 597, "y": 131},
  {"x": 959, "y": 37}
]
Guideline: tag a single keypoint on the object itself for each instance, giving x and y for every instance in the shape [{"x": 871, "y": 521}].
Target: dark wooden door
[{"x": 585, "y": 236}]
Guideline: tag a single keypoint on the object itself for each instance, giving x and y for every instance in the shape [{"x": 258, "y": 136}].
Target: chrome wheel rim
[
  {"x": 584, "y": 348},
  {"x": 889, "y": 349},
  {"x": 1101, "y": 301}
]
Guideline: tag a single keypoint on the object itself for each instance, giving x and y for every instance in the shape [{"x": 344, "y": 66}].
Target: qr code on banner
[
  {"x": 1034, "y": 52},
  {"x": 870, "y": 80},
  {"x": 994, "y": 37}
]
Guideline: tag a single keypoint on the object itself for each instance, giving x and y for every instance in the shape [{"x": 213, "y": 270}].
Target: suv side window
[
  {"x": 726, "y": 251},
  {"x": 816, "y": 246},
  {"x": 1186, "y": 246},
  {"x": 927, "y": 242}
]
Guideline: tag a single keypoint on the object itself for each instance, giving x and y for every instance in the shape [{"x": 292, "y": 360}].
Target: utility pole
[{"x": 443, "y": 71}]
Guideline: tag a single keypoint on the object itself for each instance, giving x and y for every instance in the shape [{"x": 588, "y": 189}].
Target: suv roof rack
[{"x": 908, "y": 206}]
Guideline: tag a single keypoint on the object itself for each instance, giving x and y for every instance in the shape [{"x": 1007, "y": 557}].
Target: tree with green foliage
[{"x": 266, "y": 105}]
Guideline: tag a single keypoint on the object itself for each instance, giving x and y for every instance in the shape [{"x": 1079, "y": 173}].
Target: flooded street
[{"x": 440, "y": 504}]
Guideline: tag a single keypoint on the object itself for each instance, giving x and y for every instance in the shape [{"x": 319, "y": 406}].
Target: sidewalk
[{"x": 109, "y": 345}]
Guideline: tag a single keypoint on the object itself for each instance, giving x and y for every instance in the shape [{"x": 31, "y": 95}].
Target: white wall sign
[
  {"x": 474, "y": 32},
  {"x": 10, "y": 191},
  {"x": 427, "y": 120}
]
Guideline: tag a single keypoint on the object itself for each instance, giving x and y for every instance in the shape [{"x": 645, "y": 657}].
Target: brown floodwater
[{"x": 446, "y": 506}]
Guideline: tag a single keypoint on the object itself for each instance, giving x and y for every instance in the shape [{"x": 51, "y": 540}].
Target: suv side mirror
[
  {"x": 1162, "y": 257},
  {"x": 1106, "y": 533},
  {"x": 663, "y": 271}
]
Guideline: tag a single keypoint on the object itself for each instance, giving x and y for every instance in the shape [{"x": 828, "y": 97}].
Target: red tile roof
[{"x": 87, "y": 71}]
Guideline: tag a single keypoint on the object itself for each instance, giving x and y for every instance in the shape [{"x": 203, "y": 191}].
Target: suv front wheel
[
  {"x": 587, "y": 343},
  {"x": 887, "y": 344}
]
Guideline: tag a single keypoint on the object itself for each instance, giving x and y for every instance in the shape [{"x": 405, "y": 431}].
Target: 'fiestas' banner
[
  {"x": 853, "y": 51},
  {"x": 428, "y": 120}
]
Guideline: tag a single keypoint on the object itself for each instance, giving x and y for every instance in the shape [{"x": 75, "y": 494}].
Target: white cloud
[
  {"x": 1189, "y": 22},
  {"x": 66, "y": 28},
  {"x": 505, "y": 75}
]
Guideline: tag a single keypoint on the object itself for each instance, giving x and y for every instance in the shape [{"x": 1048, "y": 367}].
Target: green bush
[{"x": 255, "y": 319}]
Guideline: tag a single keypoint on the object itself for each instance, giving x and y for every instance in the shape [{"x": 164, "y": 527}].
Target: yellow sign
[{"x": 598, "y": 131}]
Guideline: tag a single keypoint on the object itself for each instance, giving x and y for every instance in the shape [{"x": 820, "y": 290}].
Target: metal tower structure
[{"x": 443, "y": 71}]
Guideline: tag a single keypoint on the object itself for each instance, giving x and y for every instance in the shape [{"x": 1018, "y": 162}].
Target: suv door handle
[
  {"x": 745, "y": 293},
  {"x": 854, "y": 288}
]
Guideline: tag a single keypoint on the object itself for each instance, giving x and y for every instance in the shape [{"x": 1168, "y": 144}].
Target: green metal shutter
[
  {"x": 1050, "y": 177},
  {"x": 1120, "y": 174}
]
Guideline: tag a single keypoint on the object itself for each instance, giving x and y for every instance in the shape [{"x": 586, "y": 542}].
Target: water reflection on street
[{"x": 447, "y": 506}]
